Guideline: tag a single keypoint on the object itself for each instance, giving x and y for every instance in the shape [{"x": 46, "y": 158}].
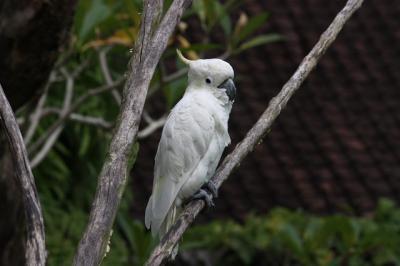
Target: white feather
[{"x": 192, "y": 141}]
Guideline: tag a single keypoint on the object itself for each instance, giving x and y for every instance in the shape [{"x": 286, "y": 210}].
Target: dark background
[{"x": 336, "y": 147}]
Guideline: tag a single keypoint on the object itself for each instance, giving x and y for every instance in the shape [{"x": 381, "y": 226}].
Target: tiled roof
[{"x": 336, "y": 147}]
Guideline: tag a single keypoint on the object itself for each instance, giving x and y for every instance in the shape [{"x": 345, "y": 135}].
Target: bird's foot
[
  {"x": 210, "y": 187},
  {"x": 204, "y": 195}
]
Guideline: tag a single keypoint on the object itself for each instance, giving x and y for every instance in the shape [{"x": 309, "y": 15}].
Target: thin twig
[
  {"x": 84, "y": 119},
  {"x": 78, "y": 70},
  {"x": 52, "y": 138},
  {"x": 35, "y": 250},
  {"x": 37, "y": 114},
  {"x": 149, "y": 46},
  {"x": 90, "y": 120},
  {"x": 147, "y": 118},
  {"x": 74, "y": 106},
  {"x": 151, "y": 127},
  {"x": 256, "y": 133},
  {"x": 106, "y": 73}
]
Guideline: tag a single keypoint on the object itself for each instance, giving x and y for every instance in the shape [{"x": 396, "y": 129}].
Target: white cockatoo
[{"x": 192, "y": 141}]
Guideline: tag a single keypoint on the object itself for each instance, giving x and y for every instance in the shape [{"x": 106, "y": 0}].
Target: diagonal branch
[
  {"x": 51, "y": 140},
  {"x": 256, "y": 133},
  {"x": 152, "y": 126},
  {"x": 149, "y": 46},
  {"x": 35, "y": 118},
  {"x": 35, "y": 251}
]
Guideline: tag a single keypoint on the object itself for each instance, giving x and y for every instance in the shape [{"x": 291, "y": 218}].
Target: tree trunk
[
  {"x": 12, "y": 216},
  {"x": 32, "y": 33}
]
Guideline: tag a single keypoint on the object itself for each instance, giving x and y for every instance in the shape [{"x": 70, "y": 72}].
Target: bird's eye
[{"x": 208, "y": 80}]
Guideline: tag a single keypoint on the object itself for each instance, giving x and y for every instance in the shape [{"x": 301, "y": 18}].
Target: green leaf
[
  {"x": 200, "y": 9},
  {"x": 387, "y": 257},
  {"x": 125, "y": 228},
  {"x": 60, "y": 165},
  {"x": 252, "y": 25},
  {"x": 291, "y": 239},
  {"x": 143, "y": 242},
  {"x": 212, "y": 13},
  {"x": 85, "y": 141},
  {"x": 245, "y": 252},
  {"x": 312, "y": 234},
  {"x": 223, "y": 17},
  {"x": 343, "y": 230},
  {"x": 174, "y": 91},
  {"x": 385, "y": 209},
  {"x": 260, "y": 40},
  {"x": 97, "y": 13}
]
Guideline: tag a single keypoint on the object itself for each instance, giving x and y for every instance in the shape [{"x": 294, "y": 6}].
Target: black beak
[{"x": 230, "y": 88}]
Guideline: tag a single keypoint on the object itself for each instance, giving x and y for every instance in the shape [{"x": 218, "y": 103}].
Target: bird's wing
[{"x": 185, "y": 139}]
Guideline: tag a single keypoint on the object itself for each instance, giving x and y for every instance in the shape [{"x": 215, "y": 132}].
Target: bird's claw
[
  {"x": 204, "y": 195},
  {"x": 210, "y": 187}
]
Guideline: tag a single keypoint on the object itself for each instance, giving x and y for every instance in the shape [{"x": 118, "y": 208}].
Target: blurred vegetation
[
  {"x": 285, "y": 237},
  {"x": 67, "y": 177}
]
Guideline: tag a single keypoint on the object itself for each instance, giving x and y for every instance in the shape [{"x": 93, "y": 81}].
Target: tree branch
[
  {"x": 42, "y": 139},
  {"x": 149, "y": 46},
  {"x": 35, "y": 251},
  {"x": 106, "y": 72},
  {"x": 52, "y": 138},
  {"x": 256, "y": 133},
  {"x": 35, "y": 118},
  {"x": 84, "y": 119},
  {"x": 152, "y": 126}
]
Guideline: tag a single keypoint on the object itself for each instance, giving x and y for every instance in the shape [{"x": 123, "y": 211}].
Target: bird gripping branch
[{"x": 192, "y": 141}]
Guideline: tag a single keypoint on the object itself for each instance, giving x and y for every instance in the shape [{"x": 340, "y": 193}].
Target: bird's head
[{"x": 213, "y": 73}]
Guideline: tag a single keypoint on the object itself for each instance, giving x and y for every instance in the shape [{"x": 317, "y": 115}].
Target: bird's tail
[{"x": 169, "y": 221}]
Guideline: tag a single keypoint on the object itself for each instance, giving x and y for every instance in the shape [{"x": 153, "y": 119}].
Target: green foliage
[
  {"x": 104, "y": 17},
  {"x": 97, "y": 13},
  {"x": 259, "y": 40},
  {"x": 212, "y": 13},
  {"x": 286, "y": 237},
  {"x": 249, "y": 27}
]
